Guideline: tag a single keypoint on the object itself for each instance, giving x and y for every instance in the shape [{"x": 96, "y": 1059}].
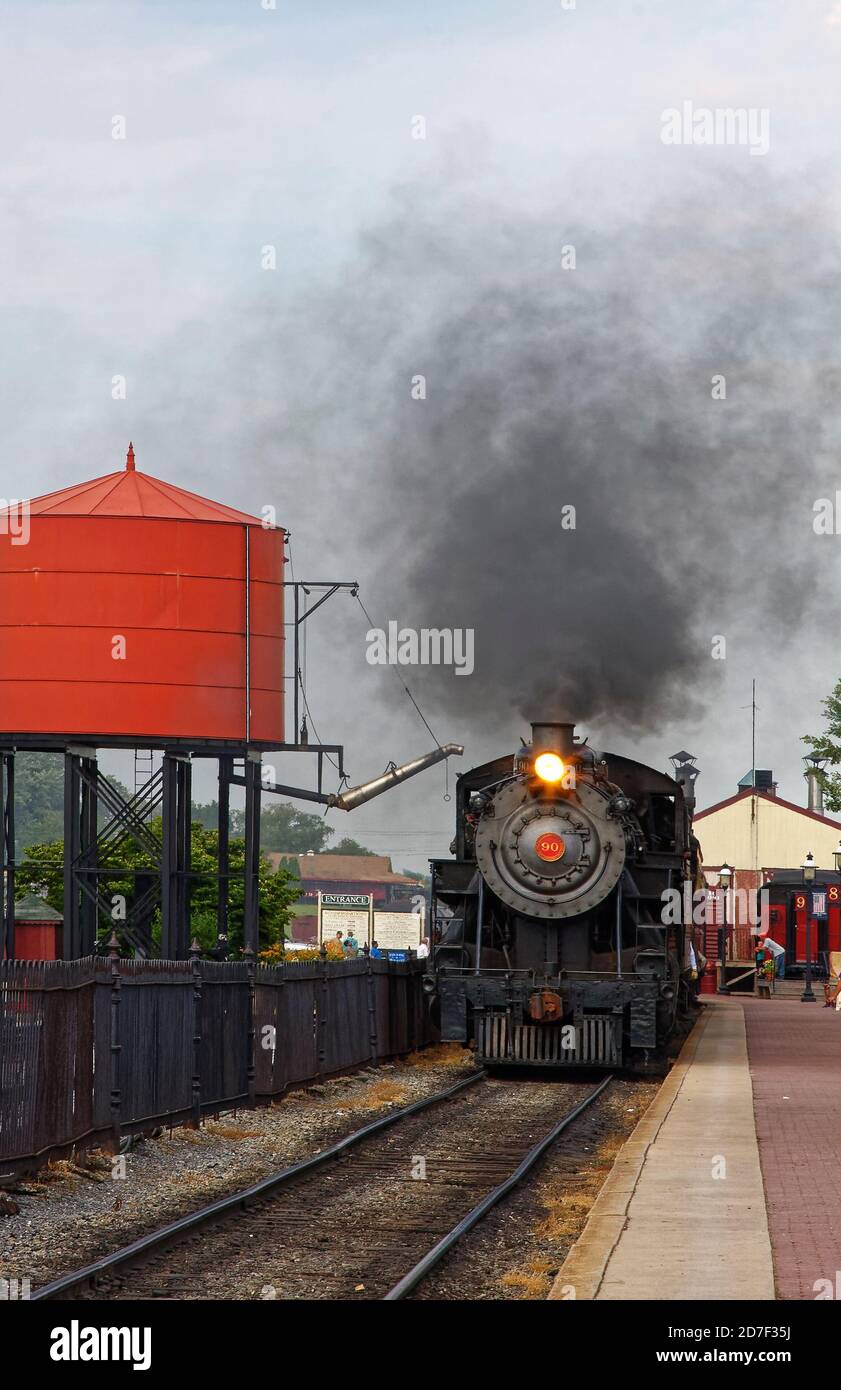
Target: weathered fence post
[
  {"x": 322, "y": 1013},
  {"x": 195, "y": 1094},
  {"x": 251, "y": 972},
  {"x": 372, "y": 1004},
  {"x": 116, "y": 985}
]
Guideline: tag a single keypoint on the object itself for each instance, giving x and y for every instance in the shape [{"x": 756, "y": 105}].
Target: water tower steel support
[
  {"x": 81, "y": 803},
  {"x": 223, "y": 825},
  {"x": 176, "y": 857},
  {"x": 100, "y": 821},
  {"x": 251, "y": 926},
  {"x": 7, "y": 851}
]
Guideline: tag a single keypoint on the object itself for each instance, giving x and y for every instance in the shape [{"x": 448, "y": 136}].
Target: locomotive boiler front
[
  {"x": 550, "y": 858},
  {"x": 550, "y": 843}
]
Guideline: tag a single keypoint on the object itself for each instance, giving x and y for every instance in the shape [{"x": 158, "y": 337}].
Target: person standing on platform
[
  {"x": 764, "y": 961},
  {"x": 778, "y": 954}
]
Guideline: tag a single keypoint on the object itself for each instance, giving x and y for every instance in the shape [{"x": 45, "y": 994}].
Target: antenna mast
[{"x": 753, "y": 734}]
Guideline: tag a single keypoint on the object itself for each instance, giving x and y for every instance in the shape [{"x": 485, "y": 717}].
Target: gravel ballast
[{"x": 71, "y": 1215}]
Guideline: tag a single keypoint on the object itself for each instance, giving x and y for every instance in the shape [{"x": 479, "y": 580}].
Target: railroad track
[{"x": 368, "y": 1217}]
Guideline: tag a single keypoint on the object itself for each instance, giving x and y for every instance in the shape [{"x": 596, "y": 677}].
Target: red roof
[
  {"x": 342, "y": 868},
  {"x": 775, "y": 801},
  {"x": 129, "y": 493}
]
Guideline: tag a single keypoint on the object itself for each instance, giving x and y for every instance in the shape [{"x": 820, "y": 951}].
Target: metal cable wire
[
  {"x": 299, "y": 676},
  {"x": 421, "y": 715}
]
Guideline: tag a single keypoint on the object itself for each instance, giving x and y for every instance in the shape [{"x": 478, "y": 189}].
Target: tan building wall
[{"x": 758, "y": 832}]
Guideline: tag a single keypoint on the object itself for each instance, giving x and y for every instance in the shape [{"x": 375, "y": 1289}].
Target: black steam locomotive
[{"x": 549, "y": 945}]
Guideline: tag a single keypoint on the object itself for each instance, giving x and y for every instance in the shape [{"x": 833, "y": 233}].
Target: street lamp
[
  {"x": 808, "y": 870},
  {"x": 836, "y": 854},
  {"x": 725, "y": 874}
]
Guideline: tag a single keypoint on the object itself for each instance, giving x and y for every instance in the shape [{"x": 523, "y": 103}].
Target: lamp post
[
  {"x": 808, "y": 870},
  {"x": 725, "y": 874}
]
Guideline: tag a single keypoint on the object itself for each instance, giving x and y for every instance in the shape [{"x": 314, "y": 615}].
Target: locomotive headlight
[{"x": 549, "y": 767}]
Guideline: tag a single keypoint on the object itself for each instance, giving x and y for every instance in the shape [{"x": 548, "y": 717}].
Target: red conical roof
[{"x": 129, "y": 493}]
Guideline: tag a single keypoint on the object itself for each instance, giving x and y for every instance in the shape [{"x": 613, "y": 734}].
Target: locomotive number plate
[{"x": 550, "y": 846}]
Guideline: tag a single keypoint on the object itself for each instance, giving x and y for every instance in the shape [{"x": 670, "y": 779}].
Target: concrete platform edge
[{"x": 585, "y": 1265}]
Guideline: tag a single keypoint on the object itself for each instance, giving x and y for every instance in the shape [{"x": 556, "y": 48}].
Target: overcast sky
[{"x": 292, "y": 127}]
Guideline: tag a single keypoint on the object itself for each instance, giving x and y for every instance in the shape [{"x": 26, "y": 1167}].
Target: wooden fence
[{"x": 96, "y": 1049}]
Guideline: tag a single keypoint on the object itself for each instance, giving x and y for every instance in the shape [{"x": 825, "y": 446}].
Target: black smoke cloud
[
  {"x": 549, "y": 387},
  {"x": 589, "y": 387}
]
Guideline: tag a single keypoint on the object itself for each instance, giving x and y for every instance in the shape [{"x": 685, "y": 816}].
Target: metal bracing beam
[
  {"x": 129, "y": 818},
  {"x": 102, "y": 906}
]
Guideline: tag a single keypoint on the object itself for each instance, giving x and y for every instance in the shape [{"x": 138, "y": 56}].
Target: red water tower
[
  {"x": 136, "y": 615},
  {"x": 137, "y": 610}
]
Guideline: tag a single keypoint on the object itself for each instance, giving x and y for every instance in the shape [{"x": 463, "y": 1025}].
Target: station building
[
  {"x": 765, "y": 839},
  {"x": 343, "y": 873}
]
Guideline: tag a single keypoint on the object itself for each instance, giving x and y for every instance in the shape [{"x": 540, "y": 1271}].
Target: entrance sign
[{"x": 348, "y": 913}]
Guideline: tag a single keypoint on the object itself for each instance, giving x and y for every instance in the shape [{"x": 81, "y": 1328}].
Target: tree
[
  {"x": 347, "y": 846},
  {"x": 206, "y": 814},
  {"x": 278, "y": 892},
  {"x": 284, "y": 827},
  {"x": 828, "y": 746},
  {"x": 423, "y": 879},
  {"x": 39, "y": 799},
  {"x": 42, "y": 873}
]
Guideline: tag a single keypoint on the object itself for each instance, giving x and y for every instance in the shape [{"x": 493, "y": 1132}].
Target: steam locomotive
[{"x": 550, "y": 946}]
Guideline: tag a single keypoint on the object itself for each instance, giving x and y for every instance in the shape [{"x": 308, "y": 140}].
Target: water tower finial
[{"x": 130, "y": 458}]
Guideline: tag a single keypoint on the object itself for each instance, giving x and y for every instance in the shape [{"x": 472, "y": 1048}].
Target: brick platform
[{"x": 794, "y": 1051}]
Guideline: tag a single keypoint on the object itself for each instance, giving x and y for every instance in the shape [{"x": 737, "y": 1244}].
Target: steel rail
[
  {"x": 185, "y": 1224},
  {"x": 422, "y": 1268}
]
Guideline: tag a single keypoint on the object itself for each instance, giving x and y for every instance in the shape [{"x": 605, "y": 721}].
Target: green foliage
[
  {"x": 347, "y": 846},
  {"x": 39, "y": 798},
  {"x": 41, "y": 872},
  {"x": 39, "y": 802},
  {"x": 424, "y": 880},
  {"x": 278, "y": 891},
  {"x": 828, "y": 745},
  {"x": 205, "y": 814},
  {"x": 283, "y": 826}
]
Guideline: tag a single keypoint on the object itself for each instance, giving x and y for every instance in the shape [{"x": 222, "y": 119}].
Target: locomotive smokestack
[
  {"x": 553, "y": 738},
  {"x": 686, "y": 773}
]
